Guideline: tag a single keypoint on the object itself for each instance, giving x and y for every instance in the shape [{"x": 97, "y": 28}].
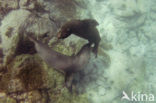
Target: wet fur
[
  {"x": 61, "y": 62},
  {"x": 83, "y": 28}
]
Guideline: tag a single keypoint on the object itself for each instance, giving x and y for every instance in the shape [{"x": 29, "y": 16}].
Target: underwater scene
[{"x": 77, "y": 51}]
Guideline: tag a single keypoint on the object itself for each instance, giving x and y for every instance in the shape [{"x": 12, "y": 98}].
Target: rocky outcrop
[{"x": 24, "y": 77}]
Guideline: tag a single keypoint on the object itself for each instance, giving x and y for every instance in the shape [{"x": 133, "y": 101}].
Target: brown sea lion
[
  {"x": 83, "y": 28},
  {"x": 61, "y": 62}
]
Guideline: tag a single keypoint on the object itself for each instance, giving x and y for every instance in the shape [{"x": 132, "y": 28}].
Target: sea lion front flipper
[
  {"x": 69, "y": 80},
  {"x": 95, "y": 49}
]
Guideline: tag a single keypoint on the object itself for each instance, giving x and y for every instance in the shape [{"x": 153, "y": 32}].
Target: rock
[
  {"x": 24, "y": 4},
  {"x": 6, "y": 6},
  {"x": 34, "y": 96},
  {"x": 42, "y": 27},
  {"x": 9, "y": 30},
  {"x": 9, "y": 4},
  {"x": 29, "y": 70},
  {"x": 15, "y": 85},
  {"x": 7, "y": 100},
  {"x": 65, "y": 10}
]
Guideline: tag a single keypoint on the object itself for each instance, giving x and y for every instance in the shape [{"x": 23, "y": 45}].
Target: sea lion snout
[{"x": 61, "y": 35}]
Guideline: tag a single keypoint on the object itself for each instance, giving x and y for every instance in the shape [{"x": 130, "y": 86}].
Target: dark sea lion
[
  {"x": 83, "y": 28},
  {"x": 61, "y": 62}
]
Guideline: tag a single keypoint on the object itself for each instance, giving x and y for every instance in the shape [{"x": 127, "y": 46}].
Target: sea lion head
[{"x": 63, "y": 33}]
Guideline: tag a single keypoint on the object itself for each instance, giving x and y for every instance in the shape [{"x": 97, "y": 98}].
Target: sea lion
[
  {"x": 61, "y": 62},
  {"x": 83, "y": 28}
]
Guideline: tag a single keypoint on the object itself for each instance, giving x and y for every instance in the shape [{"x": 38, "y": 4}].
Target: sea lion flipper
[{"x": 95, "y": 50}]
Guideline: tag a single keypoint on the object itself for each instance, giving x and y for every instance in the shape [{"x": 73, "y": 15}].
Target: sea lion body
[
  {"x": 61, "y": 62},
  {"x": 83, "y": 28},
  {"x": 51, "y": 57}
]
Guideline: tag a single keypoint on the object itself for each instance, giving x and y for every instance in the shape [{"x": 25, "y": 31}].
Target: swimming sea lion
[
  {"x": 83, "y": 28},
  {"x": 61, "y": 62}
]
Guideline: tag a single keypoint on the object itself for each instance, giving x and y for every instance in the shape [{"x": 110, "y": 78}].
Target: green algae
[
  {"x": 4, "y": 82},
  {"x": 7, "y": 100},
  {"x": 63, "y": 49},
  {"x": 30, "y": 72},
  {"x": 31, "y": 76}
]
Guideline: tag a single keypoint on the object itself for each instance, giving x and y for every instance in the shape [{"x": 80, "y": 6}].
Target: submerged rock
[
  {"x": 9, "y": 31},
  {"x": 7, "y": 6}
]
